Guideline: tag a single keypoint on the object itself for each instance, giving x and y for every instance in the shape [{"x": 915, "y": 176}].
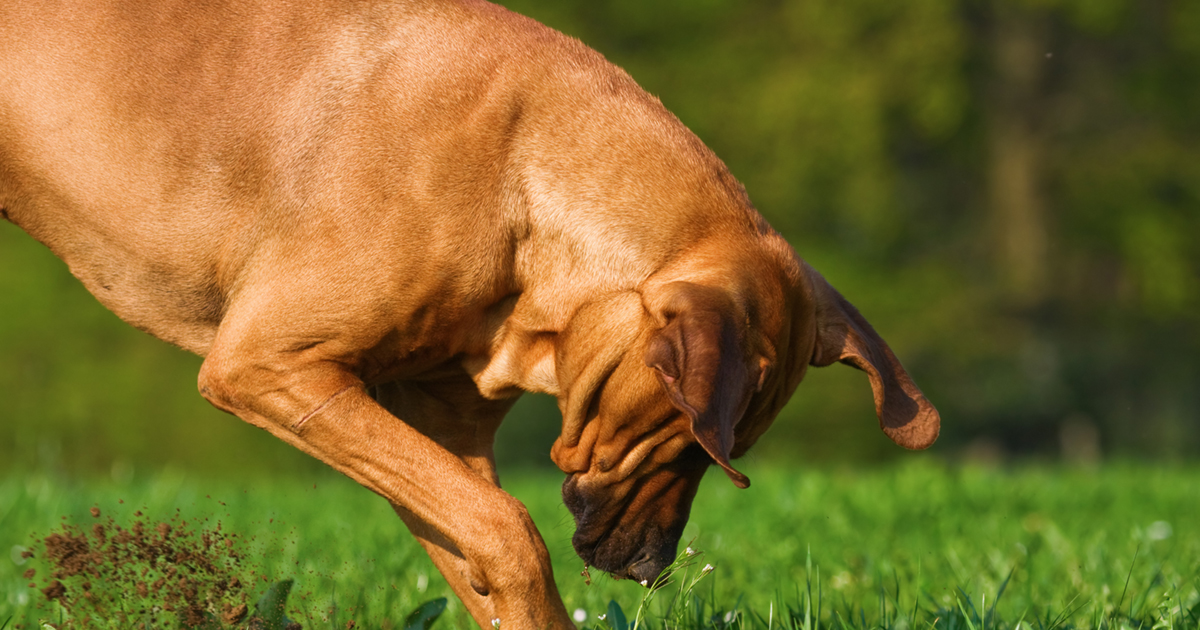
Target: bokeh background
[{"x": 1008, "y": 189}]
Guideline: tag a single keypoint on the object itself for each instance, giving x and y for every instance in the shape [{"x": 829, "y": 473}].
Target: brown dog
[{"x": 380, "y": 222}]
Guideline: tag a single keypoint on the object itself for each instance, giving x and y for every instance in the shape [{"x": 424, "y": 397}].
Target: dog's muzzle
[{"x": 611, "y": 539}]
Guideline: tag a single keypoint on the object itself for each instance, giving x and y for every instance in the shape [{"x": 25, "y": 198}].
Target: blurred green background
[{"x": 1008, "y": 190}]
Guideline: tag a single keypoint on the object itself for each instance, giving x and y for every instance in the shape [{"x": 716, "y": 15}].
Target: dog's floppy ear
[
  {"x": 698, "y": 358},
  {"x": 905, "y": 415}
]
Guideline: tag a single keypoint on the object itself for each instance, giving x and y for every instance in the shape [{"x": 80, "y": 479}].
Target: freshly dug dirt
[{"x": 146, "y": 575}]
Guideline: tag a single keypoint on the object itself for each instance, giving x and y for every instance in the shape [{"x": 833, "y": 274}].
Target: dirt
[{"x": 146, "y": 574}]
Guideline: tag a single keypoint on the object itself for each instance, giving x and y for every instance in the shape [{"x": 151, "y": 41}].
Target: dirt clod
[
  {"x": 54, "y": 591},
  {"x": 235, "y": 614}
]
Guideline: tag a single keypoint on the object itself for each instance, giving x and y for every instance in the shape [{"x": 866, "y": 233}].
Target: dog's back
[{"x": 159, "y": 148}]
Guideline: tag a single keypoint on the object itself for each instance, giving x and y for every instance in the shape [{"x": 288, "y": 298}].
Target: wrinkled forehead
[
  {"x": 630, "y": 416},
  {"x": 633, "y": 401}
]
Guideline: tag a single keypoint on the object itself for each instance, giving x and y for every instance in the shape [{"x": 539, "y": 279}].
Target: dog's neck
[
  {"x": 615, "y": 195},
  {"x": 592, "y": 228}
]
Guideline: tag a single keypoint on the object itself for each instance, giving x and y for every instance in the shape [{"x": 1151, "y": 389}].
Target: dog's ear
[
  {"x": 698, "y": 358},
  {"x": 905, "y": 415}
]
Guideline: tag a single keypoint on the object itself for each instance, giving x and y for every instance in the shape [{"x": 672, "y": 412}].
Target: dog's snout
[
  {"x": 646, "y": 569},
  {"x": 631, "y": 530},
  {"x": 572, "y": 497},
  {"x": 585, "y": 547}
]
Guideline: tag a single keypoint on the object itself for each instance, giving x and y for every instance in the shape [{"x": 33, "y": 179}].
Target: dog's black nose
[{"x": 647, "y": 569}]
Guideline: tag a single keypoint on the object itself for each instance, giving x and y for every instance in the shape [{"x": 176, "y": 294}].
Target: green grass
[{"x": 917, "y": 545}]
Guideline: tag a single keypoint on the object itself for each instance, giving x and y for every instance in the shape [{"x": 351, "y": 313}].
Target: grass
[{"x": 916, "y": 545}]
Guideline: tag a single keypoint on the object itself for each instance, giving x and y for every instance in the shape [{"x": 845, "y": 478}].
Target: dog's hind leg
[{"x": 481, "y": 538}]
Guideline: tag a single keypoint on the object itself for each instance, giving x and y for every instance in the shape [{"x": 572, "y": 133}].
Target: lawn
[{"x": 913, "y": 545}]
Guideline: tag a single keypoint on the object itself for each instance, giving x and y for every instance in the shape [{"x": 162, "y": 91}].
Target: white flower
[
  {"x": 730, "y": 616},
  {"x": 601, "y": 617},
  {"x": 645, "y": 582},
  {"x": 496, "y": 623},
  {"x": 690, "y": 551},
  {"x": 18, "y": 555},
  {"x": 707, "y": 568},
  {"x": 1159, "y": 530},
  {"x": 580, "y": 615}
]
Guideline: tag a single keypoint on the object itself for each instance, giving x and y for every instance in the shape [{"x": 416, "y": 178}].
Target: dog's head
[{"x": 689, "y": 371}]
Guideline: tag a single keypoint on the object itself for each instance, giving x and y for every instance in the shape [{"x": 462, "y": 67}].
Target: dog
[{"x": 380, "y": 222}]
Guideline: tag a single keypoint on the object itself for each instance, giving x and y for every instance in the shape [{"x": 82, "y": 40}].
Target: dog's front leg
[
  {"x": 481, "y": 538},
  {"x": 453, "y": 413}
]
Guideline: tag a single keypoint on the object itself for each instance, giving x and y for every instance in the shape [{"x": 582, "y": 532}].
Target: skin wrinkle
[{"x": 642, "y": 448}]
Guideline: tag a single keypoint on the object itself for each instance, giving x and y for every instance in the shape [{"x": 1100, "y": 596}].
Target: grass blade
[
  {"x": 269, "y": 610},
  {"x": 616, "y": 616},
  {"x": 424, "y": 615}
]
